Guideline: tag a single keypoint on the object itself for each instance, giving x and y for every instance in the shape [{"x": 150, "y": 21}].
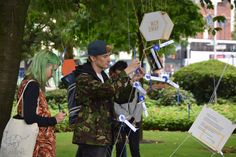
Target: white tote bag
[{"x": 19, "y": 138}]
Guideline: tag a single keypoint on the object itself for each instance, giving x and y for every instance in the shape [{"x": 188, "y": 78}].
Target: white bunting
[
  {"x": 173, "y": 84},
  {"x": 141, "y": 99},
  {"x": 123, "y": 119},
  {"x": 145, "y": 109},
  {"x": 166, "y": 43},
  {"x": 148, "y": 77},
  {"x": 138, "y": 86}
]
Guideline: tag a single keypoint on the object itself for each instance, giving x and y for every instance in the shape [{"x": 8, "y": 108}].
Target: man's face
[{"x": 102, "y": 61}]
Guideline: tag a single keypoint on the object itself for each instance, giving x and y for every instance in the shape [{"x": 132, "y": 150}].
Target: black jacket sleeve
[{"x": 30, "y": 102}]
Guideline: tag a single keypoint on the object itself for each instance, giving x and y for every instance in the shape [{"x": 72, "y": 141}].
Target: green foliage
[
  {"x": 150, "y": 102},
  {"x": 64, "y": 125},
  {"x": 58, "y": 96},
  {"x": 61, "y": 24},
  {"x": 231, "y": 100},
  {"x": 199, "y": 78},
  {"x": 177, "y": 118},
  {"x": 190, "y": 21},
  {"x": 169, "y": 96},
  {"x": 50, "y": 24},
  {"x": 160, "y": 117},
  {"x": 207, "y": 3},
  {"x": 54, "y": 99}
]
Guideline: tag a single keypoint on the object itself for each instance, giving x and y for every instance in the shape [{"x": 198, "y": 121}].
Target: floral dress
[{"x": 46, "y": 141}]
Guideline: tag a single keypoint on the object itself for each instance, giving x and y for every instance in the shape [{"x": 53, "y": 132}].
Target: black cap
[{"x": 97, "y": 47}]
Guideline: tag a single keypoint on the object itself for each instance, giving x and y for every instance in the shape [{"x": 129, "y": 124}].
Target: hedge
[
  {"x": 176, "y": 117},
  {"x": 171, "y": 118},
  {"x": 160, "y": 117},
  {"x": 199, "y": 78}
]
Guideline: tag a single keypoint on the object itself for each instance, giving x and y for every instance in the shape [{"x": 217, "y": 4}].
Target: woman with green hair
[{"x": 35, "y": 108}]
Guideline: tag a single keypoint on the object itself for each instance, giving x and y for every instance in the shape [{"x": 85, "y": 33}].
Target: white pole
[
  {"x": 215, "y": 25},
  {"x": 188, "y": 53},
  {"x": 215, "y": 42}
]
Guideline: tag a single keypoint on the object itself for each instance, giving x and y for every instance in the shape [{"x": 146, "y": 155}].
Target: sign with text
[
  {"x": 156, "y": 25},
  {"x": 168, "y": 27},
  {"x": 212, "y": 129}
]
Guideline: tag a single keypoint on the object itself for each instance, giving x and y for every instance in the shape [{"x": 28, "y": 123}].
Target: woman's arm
[{"x": 30, "y": 102}]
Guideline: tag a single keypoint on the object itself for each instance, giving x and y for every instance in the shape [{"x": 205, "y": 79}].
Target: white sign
[
  {"x": 212, "y": 129},
  {"x": 168, "y": 27},
  {"x": 156, "y": 25},
  {"x": 221, "y": 47}
]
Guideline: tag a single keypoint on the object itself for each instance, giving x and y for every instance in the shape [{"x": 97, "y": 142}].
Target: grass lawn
[{"x": 168, "y": 142}]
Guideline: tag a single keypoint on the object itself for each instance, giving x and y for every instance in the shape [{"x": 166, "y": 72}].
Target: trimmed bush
[
  {"x": 58, "y": 96},
  {"x": 161, "y": 117},
  {"x": 171, "y": 118},
  {"x": 179, "y": 117},
  {"x": 199, "y": 78}
]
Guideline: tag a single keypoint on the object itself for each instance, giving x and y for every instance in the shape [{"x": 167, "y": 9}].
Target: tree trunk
[
  {"x": 12, "y": 16},
  {"x": 69, "y": 52}
]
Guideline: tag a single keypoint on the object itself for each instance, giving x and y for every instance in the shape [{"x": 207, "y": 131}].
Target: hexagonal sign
[
  {"x": 169, "y": 26},
  {"x": 156, "y": 25}
]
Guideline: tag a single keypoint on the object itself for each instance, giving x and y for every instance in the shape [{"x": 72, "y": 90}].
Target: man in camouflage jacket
[{"x": 95, "y": 92}]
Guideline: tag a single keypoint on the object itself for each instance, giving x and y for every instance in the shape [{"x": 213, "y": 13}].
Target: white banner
[{"x": 212, "y": 129}]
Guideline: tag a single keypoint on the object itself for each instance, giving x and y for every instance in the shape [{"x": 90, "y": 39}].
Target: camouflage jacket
[{"x": 94, "y": 124}]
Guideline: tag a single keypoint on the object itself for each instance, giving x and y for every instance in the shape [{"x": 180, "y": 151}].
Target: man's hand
[
  {"x": 134, "y": 65},
  {"x": 138, "y": 75}
]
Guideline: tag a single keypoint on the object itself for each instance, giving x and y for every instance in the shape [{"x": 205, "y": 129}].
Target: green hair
[{"x": 38, "y": 66}]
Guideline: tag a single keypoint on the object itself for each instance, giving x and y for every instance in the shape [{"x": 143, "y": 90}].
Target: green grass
[{"x": 168, "y": 142}]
